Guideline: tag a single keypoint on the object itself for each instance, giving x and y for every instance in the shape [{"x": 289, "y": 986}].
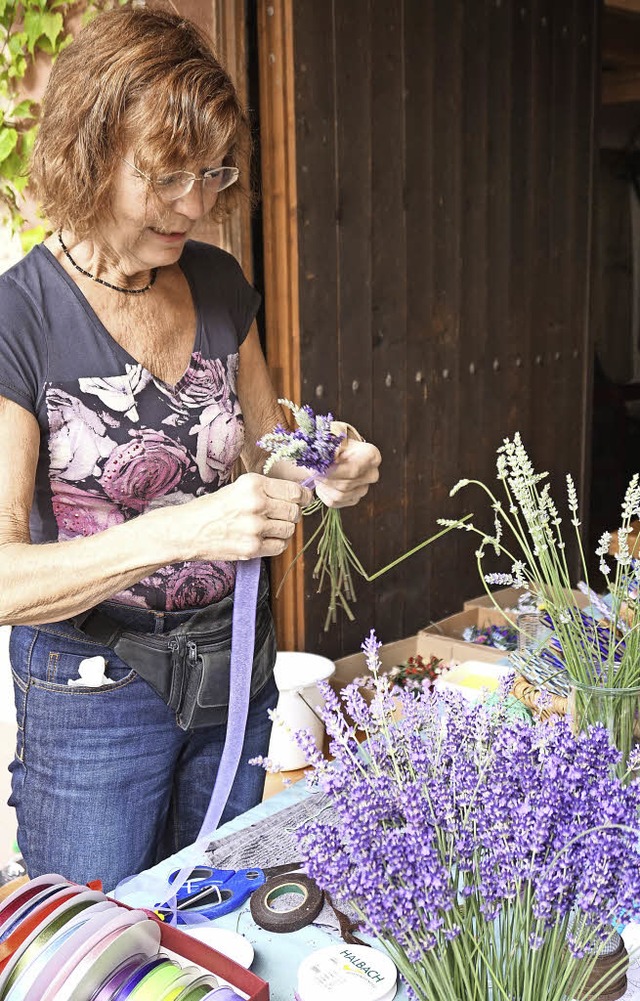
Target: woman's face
[{"x": 141, "y": 229}]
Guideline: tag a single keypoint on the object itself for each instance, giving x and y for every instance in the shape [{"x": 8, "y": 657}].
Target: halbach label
[{"x": 360, "y": 965}]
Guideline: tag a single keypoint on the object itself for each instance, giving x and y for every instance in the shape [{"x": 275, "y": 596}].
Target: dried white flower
[{"x": 458, "y": 486}]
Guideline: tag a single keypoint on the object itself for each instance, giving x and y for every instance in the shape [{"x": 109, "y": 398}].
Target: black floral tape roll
[{"x": 303, "y": 905}]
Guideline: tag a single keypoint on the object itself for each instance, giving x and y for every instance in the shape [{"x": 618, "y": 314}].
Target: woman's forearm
[
  {"x": 252, "y": 517},
  {"x": 53, "y": 581}
]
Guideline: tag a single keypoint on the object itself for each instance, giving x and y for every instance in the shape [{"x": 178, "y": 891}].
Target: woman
[{"x": 131, "y": 378}]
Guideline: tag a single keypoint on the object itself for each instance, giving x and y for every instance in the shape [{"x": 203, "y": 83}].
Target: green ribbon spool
[{"x": 156, "y": 982}]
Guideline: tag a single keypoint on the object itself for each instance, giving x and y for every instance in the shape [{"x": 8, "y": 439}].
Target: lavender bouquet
[
  {"x": 313, "y": 445},
  {"x": 489, "y": 857}
]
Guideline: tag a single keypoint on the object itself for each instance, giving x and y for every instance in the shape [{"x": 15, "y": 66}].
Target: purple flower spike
[
  {"x": 312, "y": 444},
  {"x": 370, "y": 649},
  {"x": 455, "y": 820}
]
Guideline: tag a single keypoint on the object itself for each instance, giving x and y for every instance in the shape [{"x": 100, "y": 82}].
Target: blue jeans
[{"x": 104, "y": 782}]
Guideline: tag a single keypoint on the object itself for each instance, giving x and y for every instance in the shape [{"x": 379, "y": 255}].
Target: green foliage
[{"x": 28, "y": 29}]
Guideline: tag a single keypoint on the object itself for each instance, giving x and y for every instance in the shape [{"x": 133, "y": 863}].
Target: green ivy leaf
[
  {"x": 28, "y": 139},
  {"x": 66, "y": 41},
  {"x": 8, "y": 140},
  {"x": 33, "y": 29},
  {"x": 17, "y": 42},
  {"x": 18, "y": 68},
  {"x": 44, "y": 45},
  {"x": 21, "y": 111},
  {"x": 52, "y": 26},
  {"x": 37, "y": 25},
  {"x": 15, "y": 170}
]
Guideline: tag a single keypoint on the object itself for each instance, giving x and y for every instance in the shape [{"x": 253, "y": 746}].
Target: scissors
[{"x": 214, "y": 892}]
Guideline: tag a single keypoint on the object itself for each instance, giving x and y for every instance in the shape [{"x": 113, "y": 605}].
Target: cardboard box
[
  {"x": 507, "y": 597},
  {"x": 442, "y": 639},
  {"x": 445, "y": 637},
  {"x": 355, "y": 666}
]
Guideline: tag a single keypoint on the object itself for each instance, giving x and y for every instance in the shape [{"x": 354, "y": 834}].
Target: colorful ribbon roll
[{"x": 65, "y": 941}]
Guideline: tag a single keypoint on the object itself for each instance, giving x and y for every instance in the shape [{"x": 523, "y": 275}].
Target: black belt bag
[{"x": 189, "y": 666}]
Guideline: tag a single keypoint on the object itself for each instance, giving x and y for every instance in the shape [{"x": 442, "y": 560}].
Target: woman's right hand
[{"x": 254, "y": 516}]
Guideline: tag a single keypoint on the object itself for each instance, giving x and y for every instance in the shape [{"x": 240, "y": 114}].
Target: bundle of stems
[
  {"x": 313, "y": 445},
  {"x": 337, "y": 563}
]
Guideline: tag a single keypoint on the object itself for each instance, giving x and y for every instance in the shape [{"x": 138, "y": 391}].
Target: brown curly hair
[{"x": 141, "y": 78}]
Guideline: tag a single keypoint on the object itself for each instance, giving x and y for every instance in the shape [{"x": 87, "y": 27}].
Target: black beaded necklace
[{"x": 94, "y": 278}]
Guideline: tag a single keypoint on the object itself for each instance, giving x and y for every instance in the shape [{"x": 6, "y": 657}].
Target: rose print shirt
[{"x": 116, "y": 441}]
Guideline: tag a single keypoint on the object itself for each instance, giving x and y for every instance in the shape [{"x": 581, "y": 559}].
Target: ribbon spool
[
  {"x": 65, "y": 941},
  {"x": 309, "y": 901},
  {"x": 347, "y": 973},
  {"x": 108, "y": 990}
]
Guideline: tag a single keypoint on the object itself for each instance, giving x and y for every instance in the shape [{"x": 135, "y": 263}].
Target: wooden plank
[
  {"x": 231, "y": 41},
  {"x": 486, "y": 378},
  {"x": 419, "y": 46},
  {"x": 500, "y": 378},
  {"x": 519, "y": 351},
  {"x": 224, "y": 22},
  {"x": 353, "y": 80},
  {"x": 279, "y": 201},
  {"x": 587, "y": 296},
  {"x": 542, "y": 274},
  {"x": 480, "y": 142},
  {"x": 314, "y": 52},
  {"x": 620, "y": 37},
  {"x": 447, "y": 353},
  {"x": 388, "y": 270},
  {"x": 553, "y": 439}
]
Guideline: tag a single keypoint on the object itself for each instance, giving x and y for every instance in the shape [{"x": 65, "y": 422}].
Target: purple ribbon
[{"x": 242, "y": 649}]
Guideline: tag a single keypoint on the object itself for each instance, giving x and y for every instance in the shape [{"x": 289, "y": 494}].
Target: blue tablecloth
[{"x": 277, "y": 956}]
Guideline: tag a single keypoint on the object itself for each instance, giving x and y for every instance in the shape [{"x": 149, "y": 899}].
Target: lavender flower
[
  {"x": 488, "y": 855},
  {"x": 312, "y": 444}
]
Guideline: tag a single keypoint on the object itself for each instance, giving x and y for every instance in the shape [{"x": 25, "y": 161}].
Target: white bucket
[{"x": 296, "y": 675}]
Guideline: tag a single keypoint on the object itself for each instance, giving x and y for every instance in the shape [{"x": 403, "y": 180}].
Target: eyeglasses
[{"x": 170, "y": 187}]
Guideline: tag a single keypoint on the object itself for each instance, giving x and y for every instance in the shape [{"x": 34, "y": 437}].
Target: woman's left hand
[{"x": 351, "y": 474}]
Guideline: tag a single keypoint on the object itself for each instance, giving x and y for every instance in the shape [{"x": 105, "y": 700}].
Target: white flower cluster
[{"x": 590, "y": 651}]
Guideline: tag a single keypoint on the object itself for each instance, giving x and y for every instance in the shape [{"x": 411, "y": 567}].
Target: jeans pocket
[{"x": 56, "y": 659}]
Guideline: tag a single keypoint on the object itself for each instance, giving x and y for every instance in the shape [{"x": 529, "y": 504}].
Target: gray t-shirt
[{"x": 115, "y": 441}]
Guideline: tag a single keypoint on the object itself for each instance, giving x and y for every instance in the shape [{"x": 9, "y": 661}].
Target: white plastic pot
[{"x": 297, "y": 675}]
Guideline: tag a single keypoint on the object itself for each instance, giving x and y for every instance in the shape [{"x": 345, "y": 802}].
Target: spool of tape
[
  {"x": 347, "y": 973},
  {"x": 307, "y": 900},
  {"x": 137, "y": 977},
  {"x": 136, "y": 933}
]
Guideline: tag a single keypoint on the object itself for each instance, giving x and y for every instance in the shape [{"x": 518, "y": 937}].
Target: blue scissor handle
[{"x": 214, "y": 892}]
